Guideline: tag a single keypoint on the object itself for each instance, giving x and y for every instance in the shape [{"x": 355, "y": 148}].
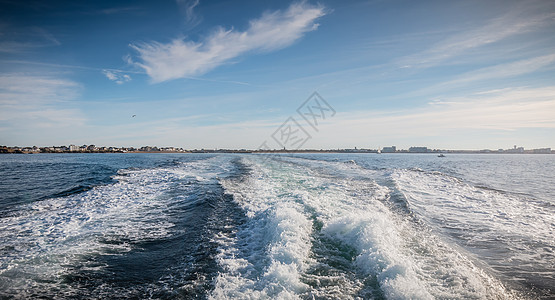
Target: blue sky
[{"x": 228, "y": 74}]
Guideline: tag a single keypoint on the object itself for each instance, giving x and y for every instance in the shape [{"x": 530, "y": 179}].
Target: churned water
[{"x": 302, "y": 226}]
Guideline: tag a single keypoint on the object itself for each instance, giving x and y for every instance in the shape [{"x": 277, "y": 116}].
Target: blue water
[{"x": 300, "y": 226}]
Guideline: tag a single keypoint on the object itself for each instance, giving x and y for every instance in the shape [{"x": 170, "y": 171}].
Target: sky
[{"x": 273, "y": 74}]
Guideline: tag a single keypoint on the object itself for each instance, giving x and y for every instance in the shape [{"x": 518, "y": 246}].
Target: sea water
[{"x": 289, "y": 226}]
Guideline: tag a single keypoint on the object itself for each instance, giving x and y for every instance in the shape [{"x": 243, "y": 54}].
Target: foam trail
[
  {"x": 258, "y": 227},
  {"x": 267, "y": 255},
  {"x": 50, "y": 242},
  {"x": 499, "y": 226},
  {"x": 408, "y": 259},
  {"x": 333, "y": 235}
]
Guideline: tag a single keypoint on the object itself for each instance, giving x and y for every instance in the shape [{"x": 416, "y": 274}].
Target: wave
[
  {"x": 254, "y": 226},
  {"x": 311, "y": 234},
  {"x": 98, "y": 242},
  {"x": 511, "y": 232}
]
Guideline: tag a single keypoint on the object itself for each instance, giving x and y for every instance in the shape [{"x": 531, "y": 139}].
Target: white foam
[
  {"x": 271, "y": 255},
  {"x": 481, "y": 215},
  {"x": 268, "y": 254},
  {"x": 49, "y": 238},
  {"x": 505, "y": 229}
]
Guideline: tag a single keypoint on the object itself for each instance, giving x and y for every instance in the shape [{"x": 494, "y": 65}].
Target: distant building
[
  {"x": 149, "y": 149},
  {"x": 73, "y": 148},
  {"x": 418, "y": 149},
  {"x": 542, "y": 151},
  {"x": 515, "y": 150},
  {"x": 391, "y": 149}
]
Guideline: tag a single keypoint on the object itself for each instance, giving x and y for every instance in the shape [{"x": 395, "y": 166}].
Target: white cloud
[
  {"x": 110, "y": 75},
  {"x": 502, "y": 110},
  {"x": 520, "y": 67},
  {"x": 187, "y": 8},
  {"x": 23, "y": 39},
  {"x": 118, "y": 10},
  {"x": 22, "y": 89},
  {"x": 53, "y": 117},
  {"x": 505, "y": 70},
  {"x": 116, "y": 76},
  {"x": 509, "y": 25},
  {"x": 181, "y": 58},
  {"x": 33, "y": 105}
]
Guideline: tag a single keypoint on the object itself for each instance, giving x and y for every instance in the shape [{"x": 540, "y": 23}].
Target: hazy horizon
[{"x": 288, "y": 149}]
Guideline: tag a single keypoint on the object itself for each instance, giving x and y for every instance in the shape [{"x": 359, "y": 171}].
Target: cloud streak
[
  {"x": 22, "y": 89},
  {"x": 119, "y": 10},
  {"x": 23, "y": 39},
  {"x": 500, "y": 110},
  {"x": 39, "y": 101},
  {"x": 517, "y": 68},
  {"x": 509, "y": 25},
  {"x": 116, "y": 76},
  {"x": 272, "y": 31},
  {"x": 468, "y": 80},
  {"x": 187, "y": 8}
]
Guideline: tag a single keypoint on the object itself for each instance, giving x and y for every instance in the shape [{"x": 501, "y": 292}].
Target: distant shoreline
[
  {"x": 154, "y": 149},
  {"x": 278, "y": 152}
]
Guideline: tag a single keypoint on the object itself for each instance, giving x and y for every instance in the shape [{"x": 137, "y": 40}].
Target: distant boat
[{"x": 441, "y": 155}]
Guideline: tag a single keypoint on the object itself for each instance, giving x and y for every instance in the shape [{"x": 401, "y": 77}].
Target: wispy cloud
[
  {"x": 500, "y": 28},
  {"x": 33, "y": 101},
  {"x": 501, "y": 110},
  {"x": 23, "y": 39},
  {"x": 118, "y": 10},
  {"x": 22, "y": 89},
  {"x": 511, "y": 69},
  {"x": 65, "y": 66},
  {"x": 170, "y": 131},
  {"x": 473, "y": 80},
  {"x": 181, "y": 58},
  {"x": 116, "y": 76},
  {"x": 187, "y": 8}
]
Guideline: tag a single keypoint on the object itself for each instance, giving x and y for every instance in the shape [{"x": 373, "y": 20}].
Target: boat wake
[
  {"x": 283, "y": 227},
  {"x": 312, "y": 234}
]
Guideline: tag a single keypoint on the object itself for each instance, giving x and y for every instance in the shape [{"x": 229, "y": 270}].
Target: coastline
[{"x": 277, "y": 152}]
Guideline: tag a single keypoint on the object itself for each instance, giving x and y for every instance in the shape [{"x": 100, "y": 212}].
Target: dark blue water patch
[
  {"x": 24, "y": 184},
  {"x": 179, "y": 266},
  {"x": 29, "y": 178}
]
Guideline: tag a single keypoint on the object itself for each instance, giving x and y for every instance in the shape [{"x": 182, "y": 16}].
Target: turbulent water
[{"x": 304, "y": 226}]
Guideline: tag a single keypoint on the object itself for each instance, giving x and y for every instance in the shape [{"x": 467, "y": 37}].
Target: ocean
[{"x": 289, "y": 226}]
